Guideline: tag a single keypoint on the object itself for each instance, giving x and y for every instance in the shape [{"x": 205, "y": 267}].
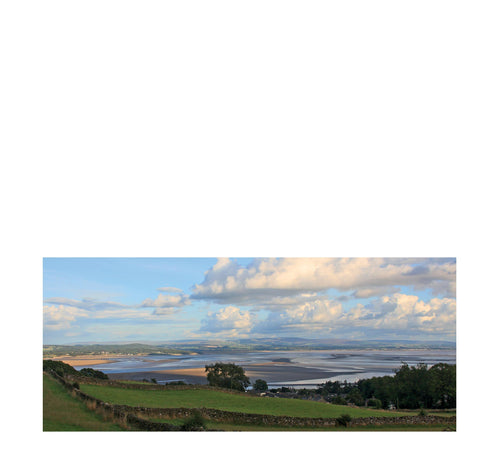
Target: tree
[
  {"x": 328, "y": 388},
  {"x": 355, "y": 397},
  {"x": 260, "y": 385},
  {"x": 444, "y": 385},
  {"x": 227, "y": 376}
]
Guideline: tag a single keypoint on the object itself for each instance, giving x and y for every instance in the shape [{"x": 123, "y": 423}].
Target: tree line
[{"x": 411, "y": 387}]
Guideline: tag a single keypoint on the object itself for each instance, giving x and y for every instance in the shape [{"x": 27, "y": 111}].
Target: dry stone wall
[{"x": 143, "y": 386}]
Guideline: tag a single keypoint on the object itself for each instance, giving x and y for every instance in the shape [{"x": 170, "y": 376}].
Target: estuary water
[{"x": 278, "y": 368}]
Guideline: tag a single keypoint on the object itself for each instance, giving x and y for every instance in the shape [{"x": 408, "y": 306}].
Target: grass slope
[
  {"x": 61, "y": 412},
  {"x": 197, "y": 398}
]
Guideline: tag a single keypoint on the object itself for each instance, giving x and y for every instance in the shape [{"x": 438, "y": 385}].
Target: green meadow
[{"x": 234, "y": 402}]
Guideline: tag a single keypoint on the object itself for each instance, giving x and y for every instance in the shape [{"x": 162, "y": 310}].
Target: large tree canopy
[
  {"x": 227, "y": 376},
  {"x": 260, "y": 385}
]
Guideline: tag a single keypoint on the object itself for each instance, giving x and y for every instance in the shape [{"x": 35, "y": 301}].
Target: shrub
[
  {"x": 338, "y": 400},
  {"x": 76, "y": 385},
  {"x": 375, "y": 403},
  {"x": 96, "y": 374},
  {"x": 343, "y": 420},
  {"x": 60, "y": 368},
  {"x": 195, "y": 423}
]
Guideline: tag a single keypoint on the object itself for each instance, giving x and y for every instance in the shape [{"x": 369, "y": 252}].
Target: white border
[{"x": 249, "y": 129}]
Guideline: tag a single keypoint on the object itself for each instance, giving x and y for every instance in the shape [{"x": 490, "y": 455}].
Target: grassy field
[
  {"x": 61, "y": 412},
  {"x": 228, "y": 402}
]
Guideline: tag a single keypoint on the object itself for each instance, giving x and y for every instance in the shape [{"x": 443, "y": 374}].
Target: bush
[
  {"x": 343, "y": 420},
  {"x": 375, "y": 403},
  {"x": 195, "y": 423},
  {"x": 96, "y": 374},
  {"x": 76, "y": 385},
  {"x": 60, "y": 368},
  {"x": 338, "y": 400}
]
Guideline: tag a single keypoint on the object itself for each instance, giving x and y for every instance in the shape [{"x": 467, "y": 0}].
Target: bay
[{"x": 281, "y": 368}]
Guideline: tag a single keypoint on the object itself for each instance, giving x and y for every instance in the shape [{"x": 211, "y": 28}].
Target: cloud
[
  {"x": 166, "y": 312},
  {"x": 267, "y": 278},
  {"x": 60, "y": 317},
  {"x": 230, "y": 320},
  {"x": 167, "y": 305},
  {"x": 110, "y": 308},
  {"x": 170, "y": 289},
  {"x": 376, "y": 291},
  {"x": 408, "y": 312},
  {"x": 280, "y": 303},
  {"x": 319, "y": 315},
  {"x": 166, "y": 301},
  {"x": 65, "y": 313},
  {"x": 89, "y": 304},
  {"x": 397, "y": 314}
]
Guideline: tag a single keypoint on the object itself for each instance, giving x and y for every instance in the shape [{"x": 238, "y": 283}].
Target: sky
[{"x": 92, "y": 300}]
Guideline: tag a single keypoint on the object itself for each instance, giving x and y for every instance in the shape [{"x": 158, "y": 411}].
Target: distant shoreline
[{"x": 81, "y": 361}]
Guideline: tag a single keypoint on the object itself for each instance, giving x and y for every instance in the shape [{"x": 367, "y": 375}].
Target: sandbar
[{"x": 79, "y": 361}]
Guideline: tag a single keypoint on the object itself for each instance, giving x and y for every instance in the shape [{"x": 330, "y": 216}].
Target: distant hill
[
  {"x": 186, "y": 347},
  {"x": 54, "y": 350}
]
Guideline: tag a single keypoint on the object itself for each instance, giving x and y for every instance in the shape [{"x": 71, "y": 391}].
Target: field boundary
[{"x": 152, "y": 386}]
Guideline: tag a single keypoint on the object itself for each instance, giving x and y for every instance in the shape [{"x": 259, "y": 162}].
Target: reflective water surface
[{"x": 292, "y": 368}]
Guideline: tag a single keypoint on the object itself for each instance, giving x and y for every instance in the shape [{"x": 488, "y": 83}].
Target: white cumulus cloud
[
  {"x": 263, "y": 279},
  {"x": 398, "y": 314},
  {"x": 60, "y": 317},
  {"x": 166, "y": 301},
  {"x": 229, "y": 319}
]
